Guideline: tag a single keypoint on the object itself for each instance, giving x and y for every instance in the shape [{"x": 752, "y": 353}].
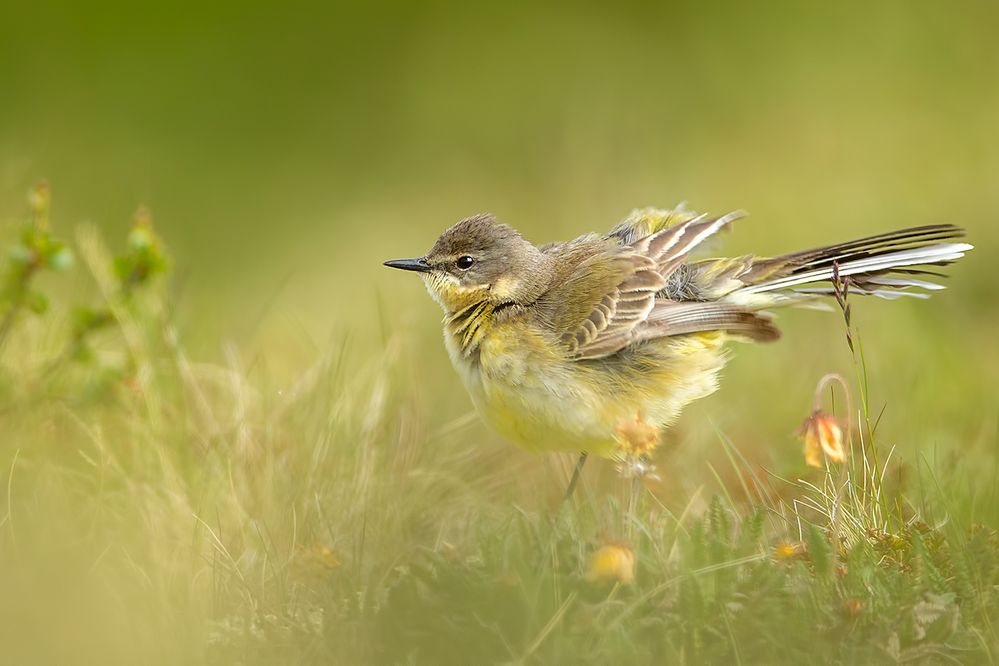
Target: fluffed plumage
[{"x": 561, "y": 344}]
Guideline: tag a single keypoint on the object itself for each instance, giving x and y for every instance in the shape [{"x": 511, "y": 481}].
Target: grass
[{"x": 158, "y": 509}]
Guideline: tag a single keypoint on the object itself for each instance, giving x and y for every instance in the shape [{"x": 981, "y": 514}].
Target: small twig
[{"x": 18, "y": 303}]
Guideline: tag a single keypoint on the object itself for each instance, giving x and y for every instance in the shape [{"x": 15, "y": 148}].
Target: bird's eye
[{"x": 465, "y": 262}]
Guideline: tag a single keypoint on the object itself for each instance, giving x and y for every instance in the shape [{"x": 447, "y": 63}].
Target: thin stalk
[
  {"x": 827, "y": 380},
  {"x": 7, "y": 323}
]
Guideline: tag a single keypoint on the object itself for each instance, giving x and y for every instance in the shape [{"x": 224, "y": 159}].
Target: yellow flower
[
  {"x": 326, "y": 557},
  {"x": 314, "y": 562},
  {"x": 789, "y": 551},
  {"x": 822, "y": 433},
  {"x": 613, "y": 562},
  {"x": 637, "y": 438}
]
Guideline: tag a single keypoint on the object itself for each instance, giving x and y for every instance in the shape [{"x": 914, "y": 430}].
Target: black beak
[{"x": 418, "y": 265}]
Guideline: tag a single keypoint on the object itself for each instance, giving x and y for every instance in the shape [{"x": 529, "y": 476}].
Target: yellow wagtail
[{"x": 561, "y": 346}]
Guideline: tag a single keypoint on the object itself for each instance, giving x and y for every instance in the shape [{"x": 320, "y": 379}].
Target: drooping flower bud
[{"x": 822, "y": 434}]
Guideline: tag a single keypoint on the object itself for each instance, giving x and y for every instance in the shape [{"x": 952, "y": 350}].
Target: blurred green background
[{"x": 287, "y": 150}]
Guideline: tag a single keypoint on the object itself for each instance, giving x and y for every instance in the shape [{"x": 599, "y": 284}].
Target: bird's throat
[{"x": 469, "y": 325}]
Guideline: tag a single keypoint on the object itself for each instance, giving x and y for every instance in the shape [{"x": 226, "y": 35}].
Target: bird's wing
[
  {"x": 612, "y": 298},
  {"x": 678, "y": 317},
  {"x": 603, "y": 301},
  {"x": 644, "y": 222},
  {"x": 670, "y": 247}
]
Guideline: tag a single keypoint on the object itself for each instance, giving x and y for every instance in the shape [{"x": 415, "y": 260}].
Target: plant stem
[
  {"x": 838, "y": 506},
  {"x": 7, "y": 323}
]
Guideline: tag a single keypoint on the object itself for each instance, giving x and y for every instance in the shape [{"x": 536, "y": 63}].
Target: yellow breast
[{"x": 524, "y": 385}]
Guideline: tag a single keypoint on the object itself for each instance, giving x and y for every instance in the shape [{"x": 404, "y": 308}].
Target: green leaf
[
  {"x": 87, "y": 319},
  {"x": 82, "y": 353},
  {"x": 20, "y": 255},
  {"x": 122, "y": 267},
  {"x": 36, "y": 301},
  {"x": 820, "y": 552},
  {"x": 31, "y": 237},
  {"x": 59, "y": 257}
]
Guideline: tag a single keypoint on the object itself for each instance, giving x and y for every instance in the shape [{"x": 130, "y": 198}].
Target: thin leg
[{"x": 575, "y": 477}]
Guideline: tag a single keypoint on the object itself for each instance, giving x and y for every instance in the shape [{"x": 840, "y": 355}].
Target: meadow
[
  {"x": 164, "y": 509},
  {"x": 228, "y": 435}
]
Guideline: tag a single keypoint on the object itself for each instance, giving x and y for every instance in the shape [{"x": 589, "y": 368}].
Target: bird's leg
[{"x": 575, "y": 477}]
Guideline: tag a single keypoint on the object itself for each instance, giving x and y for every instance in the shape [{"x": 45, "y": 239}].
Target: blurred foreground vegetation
[{"x": 164, "y": 510}]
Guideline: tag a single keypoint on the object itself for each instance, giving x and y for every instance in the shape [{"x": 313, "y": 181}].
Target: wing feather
[{"x": 629, "y": 306}]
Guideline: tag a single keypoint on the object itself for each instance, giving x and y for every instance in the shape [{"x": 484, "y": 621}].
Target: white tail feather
[
  {"x": 912, "y": 257},
  {"x": 905, "y": 282},
  {"x": 887, "y": 294}
]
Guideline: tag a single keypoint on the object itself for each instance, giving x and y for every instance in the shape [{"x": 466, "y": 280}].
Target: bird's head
[{"x": 479, "y": 259}]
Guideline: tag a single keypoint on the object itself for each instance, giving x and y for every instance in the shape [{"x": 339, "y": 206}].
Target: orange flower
[
  {"x": 822, "y": 433},
  {"x": 637, "y": 438},
  {"x": 852, "y": 607},
  {"x": 789, "y": 551},
  {"x": 314, "y": 562},
  {"x": 613, "y": 562}
]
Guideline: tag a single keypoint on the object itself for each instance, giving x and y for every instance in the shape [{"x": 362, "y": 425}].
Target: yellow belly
[{"x": 542, "y": 401}]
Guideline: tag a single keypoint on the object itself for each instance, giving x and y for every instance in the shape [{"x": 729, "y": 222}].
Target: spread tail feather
[{"x": 877, "y": 266}]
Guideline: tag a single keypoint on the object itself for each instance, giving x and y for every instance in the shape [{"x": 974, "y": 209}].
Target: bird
[{"x": 563, "y": 347}]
